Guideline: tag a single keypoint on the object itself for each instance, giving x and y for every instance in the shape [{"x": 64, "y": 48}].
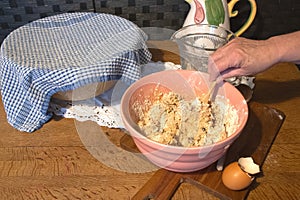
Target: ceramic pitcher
[{"x": 217, "y": 12}]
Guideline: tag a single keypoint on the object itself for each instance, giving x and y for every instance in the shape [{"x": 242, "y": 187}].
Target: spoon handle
[{"x": 211, "y": 89}]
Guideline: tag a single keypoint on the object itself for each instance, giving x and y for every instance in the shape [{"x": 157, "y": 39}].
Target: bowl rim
[{"x": 127, "y": 120}]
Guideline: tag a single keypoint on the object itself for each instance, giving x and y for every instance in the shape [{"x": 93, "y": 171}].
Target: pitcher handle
[{"x": 235, "y": 13}]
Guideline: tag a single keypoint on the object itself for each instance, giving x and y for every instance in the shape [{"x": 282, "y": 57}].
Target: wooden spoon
[{"x": 207, "y": 98}]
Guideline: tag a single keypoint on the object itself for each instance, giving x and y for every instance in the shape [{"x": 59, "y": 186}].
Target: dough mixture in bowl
[{"x": 173, "y": 120}]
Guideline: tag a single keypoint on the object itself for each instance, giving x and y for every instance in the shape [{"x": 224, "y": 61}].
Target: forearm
[{"x": 286, "y": 47}]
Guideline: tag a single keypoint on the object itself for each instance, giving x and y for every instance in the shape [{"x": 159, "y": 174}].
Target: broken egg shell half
[
  {"x": 237, "y": 175},
  {"x": 248, "y": 165},
  {"x": 234, "y": 178}
]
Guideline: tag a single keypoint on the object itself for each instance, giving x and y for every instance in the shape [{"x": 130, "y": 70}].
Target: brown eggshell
[{"x": 234, "y": 178}]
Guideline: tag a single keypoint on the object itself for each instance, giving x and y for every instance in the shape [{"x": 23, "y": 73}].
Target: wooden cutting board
[{"x": 255, "y": 141}]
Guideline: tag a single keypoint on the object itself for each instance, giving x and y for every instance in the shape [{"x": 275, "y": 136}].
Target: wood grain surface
[
  {"x": 54, "y": 163},
  {"x": 255, "y": 141}
]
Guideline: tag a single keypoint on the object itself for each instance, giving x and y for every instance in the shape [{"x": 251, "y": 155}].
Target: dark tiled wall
[
  {"x": 15, "y": 13},
  {"x": 273, "y": 17},
  {"x": 145, "y": 13}
]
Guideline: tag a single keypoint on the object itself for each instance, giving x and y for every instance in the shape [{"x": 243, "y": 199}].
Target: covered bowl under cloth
[{"x": 62, "y": 53}]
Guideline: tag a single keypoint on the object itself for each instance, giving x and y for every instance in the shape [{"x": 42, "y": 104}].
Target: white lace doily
[{"x": 105, "y": 108}]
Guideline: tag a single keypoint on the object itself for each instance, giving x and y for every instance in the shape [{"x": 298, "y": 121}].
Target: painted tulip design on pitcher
[
  {"x": 215, "y": 12},
  {"x": 218, "y": 13},
  {"x": 199, "y": 14},
  {"x": 196, "y": 14}
]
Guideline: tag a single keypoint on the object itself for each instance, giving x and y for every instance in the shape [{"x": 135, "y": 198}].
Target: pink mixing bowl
[{"x": 188, "y": 84}]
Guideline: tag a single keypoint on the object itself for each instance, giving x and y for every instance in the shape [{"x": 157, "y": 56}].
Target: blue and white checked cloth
[{"x": 61, "y": 53}]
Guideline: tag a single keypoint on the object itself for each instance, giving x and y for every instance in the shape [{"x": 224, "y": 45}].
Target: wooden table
[{"x": 53, "y": 163}]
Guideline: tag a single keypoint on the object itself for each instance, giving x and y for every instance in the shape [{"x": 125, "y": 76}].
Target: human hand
[{"x": 242, "y": 57}]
